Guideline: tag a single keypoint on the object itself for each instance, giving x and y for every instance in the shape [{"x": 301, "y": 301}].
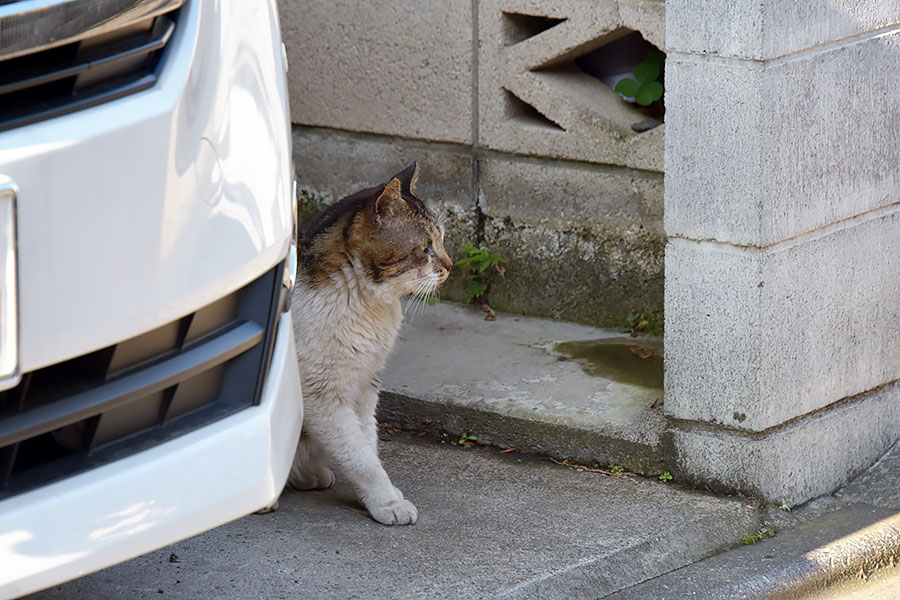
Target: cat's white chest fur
[{"x": 342, "y": 335}]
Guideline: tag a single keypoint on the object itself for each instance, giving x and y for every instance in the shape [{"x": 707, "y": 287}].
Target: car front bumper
[{"x": 148, "y": 500}]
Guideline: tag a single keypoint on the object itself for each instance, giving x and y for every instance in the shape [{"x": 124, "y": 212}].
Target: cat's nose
[{"x": 446, "y": 262}]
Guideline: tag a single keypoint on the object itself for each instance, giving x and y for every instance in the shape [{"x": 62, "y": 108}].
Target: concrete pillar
[{"x": 782, "y": 207}]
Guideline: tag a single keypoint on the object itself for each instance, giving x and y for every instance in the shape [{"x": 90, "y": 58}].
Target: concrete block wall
[
  {"x": 584, "y": 118},
  {"x": 520, "y": 150},
  {"x": 782, "y": 210}
]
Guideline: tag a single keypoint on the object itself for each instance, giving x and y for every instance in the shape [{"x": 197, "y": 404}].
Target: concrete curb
[
  {"x": 843, "y": 547},
  {"x": 533, "y": 436},
  {"x": 507, "y": 383}
]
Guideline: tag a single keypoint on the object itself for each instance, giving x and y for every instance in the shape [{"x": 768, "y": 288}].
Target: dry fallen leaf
[
  {"x": 640, "y": 352},
  {"x": 501, "y": 270},
  {"x": 491, "y": 315}
]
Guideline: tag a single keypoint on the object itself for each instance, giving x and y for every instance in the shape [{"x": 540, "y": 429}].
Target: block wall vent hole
[
  {"x": 614, "y": 61},
  {"x": 518, "y": 27},
  {"x": 524, "y": 113}
]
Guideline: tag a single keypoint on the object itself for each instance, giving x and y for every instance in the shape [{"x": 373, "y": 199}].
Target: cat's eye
[{"x": 429, "y": 249}]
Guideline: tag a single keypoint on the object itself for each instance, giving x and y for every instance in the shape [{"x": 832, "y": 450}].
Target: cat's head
[{"x": 397, "y": 241}]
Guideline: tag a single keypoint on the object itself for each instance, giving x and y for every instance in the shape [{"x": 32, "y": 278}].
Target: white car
[{"x": 148, "y": 376}]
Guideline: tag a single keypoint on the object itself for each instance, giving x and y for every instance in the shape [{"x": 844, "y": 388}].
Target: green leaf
[
  {"x": 655, "y": 56},
  {"x": 469, "y": 260},
  {"x": 649, "y": 93},
  {"x": 474, "y": 290},
  {"x": 467, "y": 248},
  {"x": 627, "y": 87},
  {"x": 646, "y": 71},
  {"x": 489, "y": 260}
]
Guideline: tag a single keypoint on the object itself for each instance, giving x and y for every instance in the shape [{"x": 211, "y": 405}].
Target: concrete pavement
[{"x": 491, "y": 525}]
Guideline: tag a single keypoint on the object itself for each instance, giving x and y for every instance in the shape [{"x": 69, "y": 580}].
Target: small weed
[
  {"x": 467, "y": 440},
  {"x": 614, "y": 468},
  {"x": 645, "y": 88},
  {"x": 760, "y": 535},
  {"x": 634, "y": 324},
  {"x": 475, "y": 289},
  {"x": 479, "y": 261},
  {"x": 666, "y": 476},
  {"x": 783, "y": 506}
]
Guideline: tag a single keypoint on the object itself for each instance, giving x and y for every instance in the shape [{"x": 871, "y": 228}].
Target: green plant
[
  {"x": 783, "y": 506},
  {"x": 759, "y": 536},
  {"x": 666, "y": 476},
  {"x": 614, "y": 468},
  {"x": 645, "y": 87},
  {"x": 479, "y": 261},
  {"x": 634, "y": 324},
  {"x": 466, "y": 440}
]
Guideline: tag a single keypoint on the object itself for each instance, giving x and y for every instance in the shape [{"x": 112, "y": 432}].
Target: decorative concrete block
[
  {"x": 755, "y": 338},
  {"x": 534, "y": 99},
  {"x": 760, "y": 30},
  {"x": 761, "y": 152},
  {"x": 331, "y": 165},
  {"x": 583, "y": 244},
  {"x": 805, "y": 459},
  {"x": 399, "y": 68}
]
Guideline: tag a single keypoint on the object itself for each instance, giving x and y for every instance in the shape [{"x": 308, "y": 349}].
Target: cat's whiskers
[
  {"x": 423, "y": 287},
  {"x": 421, "y": 297}
]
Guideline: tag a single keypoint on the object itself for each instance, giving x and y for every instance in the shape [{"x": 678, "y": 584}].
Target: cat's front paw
[
  {"x": 316, "y": 478},
  {"x": 394, "y": 512}
]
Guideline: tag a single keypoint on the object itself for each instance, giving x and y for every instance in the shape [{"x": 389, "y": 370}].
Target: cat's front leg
[
  {"x": 365, "y": 410},
  {"x": 340, "y": 432}
]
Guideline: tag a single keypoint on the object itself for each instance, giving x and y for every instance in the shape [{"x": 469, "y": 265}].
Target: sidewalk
[
  {"x": 489, "y": 527},
  {"x": 503, "y": 527},
  {"x": 518, "y": 525}
]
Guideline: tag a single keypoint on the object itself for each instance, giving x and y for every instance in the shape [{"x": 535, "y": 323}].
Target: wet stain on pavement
[{"x": 624, "y": 362}]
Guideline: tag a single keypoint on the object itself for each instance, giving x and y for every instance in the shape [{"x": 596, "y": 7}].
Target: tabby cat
[{"x": 357, "y": 260}]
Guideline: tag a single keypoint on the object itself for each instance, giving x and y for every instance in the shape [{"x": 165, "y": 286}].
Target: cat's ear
[
  {"x": 408, "y": 177},
  {"x": 390, "y": 202}
]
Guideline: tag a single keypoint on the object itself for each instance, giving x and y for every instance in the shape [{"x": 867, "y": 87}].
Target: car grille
[
  {"x": 88, "y": 411},
  {"x": 58, "y": 57}
]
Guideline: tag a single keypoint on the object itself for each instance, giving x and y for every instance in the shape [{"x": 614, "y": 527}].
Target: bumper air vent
[
  {"x": 58, "y": 57},
  {"x": 93, "y": 409}
]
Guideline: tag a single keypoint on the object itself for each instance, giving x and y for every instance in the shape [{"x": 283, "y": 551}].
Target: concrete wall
[
  {"x": 782, "y": 208},
  {"x": 519, "y": 149},
  {"x": 782, "y": 195}
]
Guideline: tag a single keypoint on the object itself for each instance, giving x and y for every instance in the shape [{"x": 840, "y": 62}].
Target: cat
[{"x": 357, "y": 260}]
